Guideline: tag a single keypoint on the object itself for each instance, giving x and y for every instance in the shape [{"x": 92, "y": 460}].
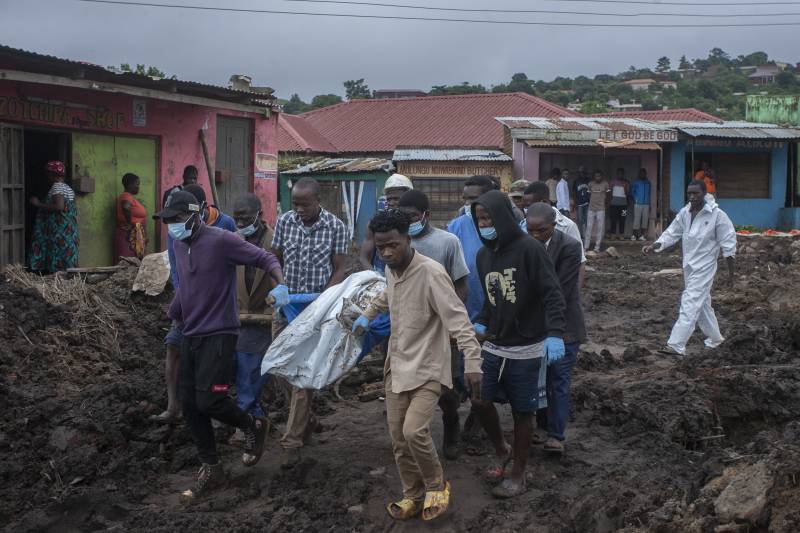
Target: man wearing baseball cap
[
  {"x": 205, "y": 303},
  {"x": 517, "y": 193},
  {"x": 396, "y": 186}
]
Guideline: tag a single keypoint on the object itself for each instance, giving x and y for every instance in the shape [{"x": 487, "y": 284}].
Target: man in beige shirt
[{"x": 425, "y": 313}]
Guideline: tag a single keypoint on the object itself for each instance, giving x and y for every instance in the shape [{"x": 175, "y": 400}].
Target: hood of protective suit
[{"x": 498, "y": 206}]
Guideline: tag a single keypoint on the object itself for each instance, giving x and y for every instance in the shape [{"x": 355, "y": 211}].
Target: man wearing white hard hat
[{"x": 396, "y": 185}]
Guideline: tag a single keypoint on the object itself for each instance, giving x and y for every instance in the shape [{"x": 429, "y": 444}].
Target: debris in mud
[{"x": 655, "y": 443}]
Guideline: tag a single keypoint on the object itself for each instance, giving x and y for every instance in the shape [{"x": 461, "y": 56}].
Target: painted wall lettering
[{"x": 14, "y": 108}]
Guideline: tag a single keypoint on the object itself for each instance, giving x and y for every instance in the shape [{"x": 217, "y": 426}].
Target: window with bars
[{"x": 445, "y": 196}]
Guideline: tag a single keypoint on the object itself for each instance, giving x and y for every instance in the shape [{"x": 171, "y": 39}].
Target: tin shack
[{"x": 750, "y": 161}]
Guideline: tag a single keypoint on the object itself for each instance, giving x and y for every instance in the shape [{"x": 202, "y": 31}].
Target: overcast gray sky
[{"x": 313, "y": 55}]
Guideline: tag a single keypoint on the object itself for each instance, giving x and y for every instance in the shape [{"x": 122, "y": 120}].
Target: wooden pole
[{"x": 210, "y": 170}]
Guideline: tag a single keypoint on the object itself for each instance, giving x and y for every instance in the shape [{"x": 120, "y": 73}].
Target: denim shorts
[
  {"x": 513, "y": 381},
  {"x": 174, "y": 335}
]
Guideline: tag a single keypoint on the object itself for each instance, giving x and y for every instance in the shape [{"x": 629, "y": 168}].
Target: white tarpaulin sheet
[{"x": 317, "y": 347}]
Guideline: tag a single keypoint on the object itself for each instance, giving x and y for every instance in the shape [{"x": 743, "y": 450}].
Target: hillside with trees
[{"x": 717, "y": 84}]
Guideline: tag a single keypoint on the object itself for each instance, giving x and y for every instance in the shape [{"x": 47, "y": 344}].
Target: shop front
[
  {"x": 103, "y": 130},
  {"x": 440, "y": 173},
  {"x": 750, "y": 164},
  {"x": 539, "y": 145}
]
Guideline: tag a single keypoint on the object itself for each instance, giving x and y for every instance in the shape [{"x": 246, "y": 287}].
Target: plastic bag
[{"x": 317, "y": 347}]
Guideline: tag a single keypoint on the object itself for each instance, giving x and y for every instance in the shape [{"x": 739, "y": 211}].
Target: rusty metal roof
[
  {"x": 684, "y": 114},
  {"x": 589, "y": 129},
  {"x": 26, "y": 61},
  {"x": 533, "y": 143},
  {"x": 449, "y": 154},
  {"x": 381, "y": 125},
  {"x": 339, "y": 165}
]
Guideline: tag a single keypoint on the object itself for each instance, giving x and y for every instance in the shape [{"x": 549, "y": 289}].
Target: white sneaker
[
  {"x": 642, "y": 238},
  {"x": 633, "y": 237},
  {"x": 713, "y": 344}
]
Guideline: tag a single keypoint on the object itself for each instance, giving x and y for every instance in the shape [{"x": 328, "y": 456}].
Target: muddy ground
[{"x": 657, "y": 443}]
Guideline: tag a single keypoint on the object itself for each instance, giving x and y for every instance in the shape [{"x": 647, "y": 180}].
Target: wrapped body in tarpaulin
[{"x": 318, "y": 347}]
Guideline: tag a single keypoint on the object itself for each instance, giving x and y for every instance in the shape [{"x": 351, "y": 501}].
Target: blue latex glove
[
  {"x": 361, "y": 325},
  {"x": 281, "y": 295},
  {"x": 554, "y": 349},
  {"x": 480, "y": 329}
]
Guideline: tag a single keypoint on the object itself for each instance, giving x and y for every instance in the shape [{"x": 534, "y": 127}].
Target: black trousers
[
  {"x": 618, "y": 215},
  {"x": 205, "y": 370}
]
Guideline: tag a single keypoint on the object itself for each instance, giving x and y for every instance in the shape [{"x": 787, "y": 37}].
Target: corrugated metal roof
[
  {"x": 449, "y": 154},
  {"x": 297, "y": 135},
  {"x": 736, "y": 130},
  {"x": 685, "y": 114},
  {"x": 589, "y": 129},
  {"x": 582, "y": 123},
  {"x": 533, "y": 143},
  {"x": 338, "y": 165},
  {"x": 26, "y": 61},
  {"x": 744, "y": 133},
  {"x": 381, "y": 125}
]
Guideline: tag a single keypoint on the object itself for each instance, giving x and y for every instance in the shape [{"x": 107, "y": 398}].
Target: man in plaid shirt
[{"x": 311, "y": 245}]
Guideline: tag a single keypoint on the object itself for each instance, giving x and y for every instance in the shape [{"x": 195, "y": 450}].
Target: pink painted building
[{"x": 104, "y": 124}]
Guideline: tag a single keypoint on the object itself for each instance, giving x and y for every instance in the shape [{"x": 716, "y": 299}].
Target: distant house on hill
[
  {"x": 764, "y": 75},
  {"x": 642, "y": 84}
]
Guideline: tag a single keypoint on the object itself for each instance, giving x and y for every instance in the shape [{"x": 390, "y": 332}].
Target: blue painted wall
[{"x": 759, "y": 212}]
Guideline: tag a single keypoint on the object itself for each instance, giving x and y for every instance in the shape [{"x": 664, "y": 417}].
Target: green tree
[
  {"x": 355, "y": 89},
  {"x": 464, "y": 88},
  {"x": 785, "y": 80},
  {"x": 718, "y": 56},
  {"x": 324, "y": 100},
  {"x": 753, "y": 60},
  {"x": 295, "y": 105},
  {"x": 519, "y": 84},
  {"x": 684, "y": 63},
  {"x": 144, "y": 70},
  {"x": 663, "y": 65}
]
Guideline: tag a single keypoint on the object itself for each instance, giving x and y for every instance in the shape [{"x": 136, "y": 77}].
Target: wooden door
[
  {"x": 234, "y": 160},
  {"x": 12, "y": 195}
]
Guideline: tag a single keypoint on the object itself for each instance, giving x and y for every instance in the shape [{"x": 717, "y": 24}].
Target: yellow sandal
[
  {"x": 436, "y": 503},
  {"x": 405, "y": 509}
]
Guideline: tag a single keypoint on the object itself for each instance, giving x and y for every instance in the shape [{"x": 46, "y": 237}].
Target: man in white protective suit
[{"x": 704, "y": 229}]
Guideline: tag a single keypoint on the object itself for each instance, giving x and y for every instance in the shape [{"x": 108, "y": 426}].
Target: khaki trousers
[
  {"x": 409, "y": 416},
  {"x": 299, "y": 423}
]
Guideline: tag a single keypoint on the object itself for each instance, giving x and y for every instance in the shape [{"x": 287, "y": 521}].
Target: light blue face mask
[
  {"x": 249, "y": 230},
  {"x": 416, "y": 228},
  {"x": 489, "y": 234},
  {"x": 178, "y": 231}
]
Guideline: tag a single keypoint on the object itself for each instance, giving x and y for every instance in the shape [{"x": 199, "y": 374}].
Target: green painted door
[
  {"x": 138, "y": 155},
  {"x": 106, "y": 158}
]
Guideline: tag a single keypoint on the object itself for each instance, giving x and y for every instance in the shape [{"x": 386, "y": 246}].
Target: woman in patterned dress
[{"x": 55, "y": 233}]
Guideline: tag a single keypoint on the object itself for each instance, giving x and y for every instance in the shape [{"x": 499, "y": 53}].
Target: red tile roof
[
  {"x": 297, "y": 135},
  {"x": 689, "y": 114},
  {"x": 380, "y": 125}
]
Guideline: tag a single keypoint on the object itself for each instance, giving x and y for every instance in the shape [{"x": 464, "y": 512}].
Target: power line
[
  {"x": 441, "y": 19},
  {"x": 691, "y": 4},
  {"x": 542, "y": 11}
]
